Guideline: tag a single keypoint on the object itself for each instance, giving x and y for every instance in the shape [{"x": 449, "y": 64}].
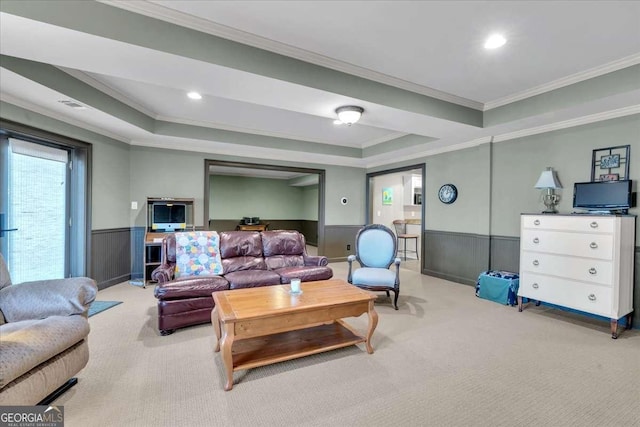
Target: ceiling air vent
[{"x": 72, "y": 104}]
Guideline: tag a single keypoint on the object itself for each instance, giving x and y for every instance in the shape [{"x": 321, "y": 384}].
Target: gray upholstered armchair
[
  {"x": 376, "y": 250},
  {"x": 43, "y": 329}
]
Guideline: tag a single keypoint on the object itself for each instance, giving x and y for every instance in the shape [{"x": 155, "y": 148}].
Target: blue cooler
[{"x": 498, "y": 286}]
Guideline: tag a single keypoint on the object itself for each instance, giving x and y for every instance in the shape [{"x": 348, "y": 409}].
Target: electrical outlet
[
  {"x": 348, "y": 247},
  {"x": 134, "y": 205}
]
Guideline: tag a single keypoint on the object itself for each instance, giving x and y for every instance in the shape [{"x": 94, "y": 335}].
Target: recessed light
[
  {"x": 194, "y": 95},
  {"x": 494, "y": 41}
]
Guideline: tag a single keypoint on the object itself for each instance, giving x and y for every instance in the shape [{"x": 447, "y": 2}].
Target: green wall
[
  {"x": 234, "y": 197},
  {"x": 309, "y": 203}
]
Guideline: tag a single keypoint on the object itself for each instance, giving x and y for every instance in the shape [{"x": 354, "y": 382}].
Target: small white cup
[{"x": 295, "y": 286}]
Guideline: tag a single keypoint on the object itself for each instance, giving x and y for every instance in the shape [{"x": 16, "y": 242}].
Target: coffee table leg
[
  {"x": 373, "y": 322},
  {"x": 215, "y": 321},
  {"x": 227, "y": 359}
]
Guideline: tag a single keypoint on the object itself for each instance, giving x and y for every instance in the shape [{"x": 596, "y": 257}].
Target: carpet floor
[{"x": 445, "y": 358}]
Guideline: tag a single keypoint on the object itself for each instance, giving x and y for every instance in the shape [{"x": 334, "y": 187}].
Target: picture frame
[
  {"x": 610, "y": 164},
  {"x": 387, "y": 196},
  {"x": 609, "y": 177}
]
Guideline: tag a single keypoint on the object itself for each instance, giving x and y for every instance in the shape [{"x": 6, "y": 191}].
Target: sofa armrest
[
  {"x": 319, "y": 260},
  {"x": 44, "y": 298},
  {"x": 163, "y": 273}
]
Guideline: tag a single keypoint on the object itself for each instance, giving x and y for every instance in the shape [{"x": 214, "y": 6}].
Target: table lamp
[{"x": 549, "y": 181}]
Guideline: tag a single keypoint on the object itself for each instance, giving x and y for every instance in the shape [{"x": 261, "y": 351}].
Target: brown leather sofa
[{"x": 249, "y": 259}]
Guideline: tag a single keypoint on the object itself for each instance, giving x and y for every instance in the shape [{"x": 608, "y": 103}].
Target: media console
[{"x": 583, "y": 262}]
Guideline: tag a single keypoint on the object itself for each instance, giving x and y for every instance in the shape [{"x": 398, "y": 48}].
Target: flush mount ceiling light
[
  {"x": 194, "y": 95},
  {"x": 349, "y": 114},
  {"x": 494, "y": 41}
]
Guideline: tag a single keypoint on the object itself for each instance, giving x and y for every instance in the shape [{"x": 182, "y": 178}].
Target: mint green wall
[
  {"x": 234, "y": 197},
  {"x": 309, "y": 203},
  {"x": 517, "y": 165},
  {"x": 110, "y": 206},
  {"x": 469, "y": 170}
]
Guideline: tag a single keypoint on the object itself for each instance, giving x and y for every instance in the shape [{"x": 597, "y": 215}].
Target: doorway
[
  {"x": 398, "y": 195},
  {"x": 44, "y": 204},
  {"x": 245, "y": 187}
]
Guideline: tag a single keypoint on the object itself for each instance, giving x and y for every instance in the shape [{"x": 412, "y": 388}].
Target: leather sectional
[{"x": 249, "y": 259}]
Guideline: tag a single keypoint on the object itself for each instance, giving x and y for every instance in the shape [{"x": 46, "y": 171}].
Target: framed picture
[
  {"x": 387, "y": 196},
  {"x": 609, "y": 177},
  {"x": 610, "y": 164}
]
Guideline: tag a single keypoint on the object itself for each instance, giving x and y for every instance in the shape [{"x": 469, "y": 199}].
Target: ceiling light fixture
[
  {"x": 194, "y": 95},
  {"x": 349, "y": 114},
  {"x": 494, "y": 41}
]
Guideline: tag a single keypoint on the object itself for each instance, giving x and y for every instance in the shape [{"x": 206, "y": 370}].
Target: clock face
[{"x": 448, "y": 193}]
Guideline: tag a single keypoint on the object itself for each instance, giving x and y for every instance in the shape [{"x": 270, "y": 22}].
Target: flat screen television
[
  {"x": 169, "y": 217},
  {"x": 603, "y": 195}
]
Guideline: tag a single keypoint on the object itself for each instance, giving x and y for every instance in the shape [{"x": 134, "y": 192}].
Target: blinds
[{"x": 25, "y": 148}]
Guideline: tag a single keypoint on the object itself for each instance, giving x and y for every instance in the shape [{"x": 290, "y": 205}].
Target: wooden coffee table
[{"x": 260, "y": 326}]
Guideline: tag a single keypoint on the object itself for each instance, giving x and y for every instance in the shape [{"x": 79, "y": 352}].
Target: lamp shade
[
  {"x": 548, "y": 179},
  {"x": 349, "y": 114}
]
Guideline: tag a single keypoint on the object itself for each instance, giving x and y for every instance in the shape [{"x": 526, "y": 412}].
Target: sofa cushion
[
  {"x": 198, "y": 254},
  {"x": 5, "y": 278},
  {"x": 190, "y": 287},
  {"x": 243, "y": 263},
  {"x": 240, "y": 243},
  {"x": 28, "y": 343},
  {"x": 252, "y": 278},
  {"x": 305, "y": 274},
  {"x": 282, "y": 242},
  {"x": 279, "y": 261}
]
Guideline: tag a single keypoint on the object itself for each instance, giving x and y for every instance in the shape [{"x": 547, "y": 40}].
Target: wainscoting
[
  {"x": 308, "y": 228},
  {"x": 110, "y": 256},
  {"x": 336, "y": 239}
]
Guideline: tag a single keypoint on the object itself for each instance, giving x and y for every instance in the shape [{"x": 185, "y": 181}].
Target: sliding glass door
[{"x": 35, "y": 210}]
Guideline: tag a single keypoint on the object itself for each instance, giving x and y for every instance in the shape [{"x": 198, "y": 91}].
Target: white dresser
[{"x": 583, "y": 262}]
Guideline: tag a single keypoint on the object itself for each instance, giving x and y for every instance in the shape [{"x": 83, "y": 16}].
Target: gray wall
[{"x": 309, "y": 204}]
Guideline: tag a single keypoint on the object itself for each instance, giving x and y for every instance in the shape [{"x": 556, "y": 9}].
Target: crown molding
[
  {"x": 108, "y": 90},
  {"x": 205, "y": 26},
  {"x": 566, "y": 81},
  {"x": 240, "y": 129},
  {"x": 10, "y": 99},
  {"x": 223, "y": 148},
  {"x": 585, "y": 120}
]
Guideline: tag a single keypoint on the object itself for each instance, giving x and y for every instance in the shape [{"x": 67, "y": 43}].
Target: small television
[
  {"x": 169, "y": 217},
  {"x": 603, "y": 195}
]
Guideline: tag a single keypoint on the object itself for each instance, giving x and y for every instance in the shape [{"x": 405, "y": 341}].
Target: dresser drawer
[
  {"x": 575, "y": 244},
  {"x": 586, "y": 224},
  {"x": 580, "y": 269},
  {"x": 580, "y": 296}
]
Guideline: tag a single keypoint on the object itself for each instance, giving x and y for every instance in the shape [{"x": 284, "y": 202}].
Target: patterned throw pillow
[{"x": 198, "y": 254}]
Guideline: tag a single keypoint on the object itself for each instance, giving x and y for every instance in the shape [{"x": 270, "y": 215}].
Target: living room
[{"x": 585, "y": 100}]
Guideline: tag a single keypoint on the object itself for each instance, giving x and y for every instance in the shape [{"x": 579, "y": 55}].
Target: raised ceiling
[{"x": 272, "y": 72}]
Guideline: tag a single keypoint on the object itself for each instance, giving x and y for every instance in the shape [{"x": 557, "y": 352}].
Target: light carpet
[{"x": 446, "y": 358}]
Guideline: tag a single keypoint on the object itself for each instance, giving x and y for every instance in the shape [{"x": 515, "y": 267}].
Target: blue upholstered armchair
[{"x": 376, "y": 250}]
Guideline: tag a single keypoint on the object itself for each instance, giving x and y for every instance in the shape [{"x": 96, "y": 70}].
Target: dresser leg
[
  {"x": 614, "y": 328},
  {"x": 629, "y": 320},
  {"x": 519, "y": 303}
]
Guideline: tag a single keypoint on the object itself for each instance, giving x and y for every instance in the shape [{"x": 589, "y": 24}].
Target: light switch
[
  {"x": 413, "y": 214},
  {"x": 378, "y": 212},
  {"x": 134, "y": 205}
]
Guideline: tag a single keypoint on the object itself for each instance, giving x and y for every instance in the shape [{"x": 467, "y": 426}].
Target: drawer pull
[
  {"x": 536, "y": 222},
  {"x": 593, "y": 271},
  {"x": 592, "y": 297},
  {"x": 535, "y": 286},
  {"x": 593, "y": 245},
  {"x": 535, "y": 262},
  {"x": 536, "y": 240},
  {"x": 594, "y": 224}
]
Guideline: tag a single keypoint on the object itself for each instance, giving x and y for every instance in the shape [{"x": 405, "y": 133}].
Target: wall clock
[{"x": 448, "y": 193}]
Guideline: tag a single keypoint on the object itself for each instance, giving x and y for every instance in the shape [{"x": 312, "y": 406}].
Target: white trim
[
  {"x": 566, "y": 81},
  {"x": 221, "y": 126},
  {"x": 205, "y": 26},
  {"x": 593, "y": 118},
  {"x": 108, "y": 90},
  {"x": 10, "y": 99},
  {"x": 224, "y": 148},
  {"x": 384, "y": 138}
]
